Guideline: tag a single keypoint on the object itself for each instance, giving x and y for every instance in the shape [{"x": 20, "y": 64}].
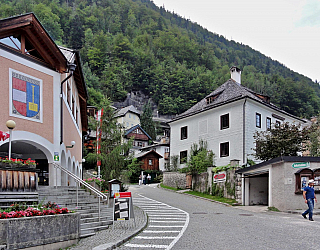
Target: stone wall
[
  {"x": 29, "y": 232},
  {"x": 174, "y": 179},
  {"x": 200, "y": 183},
  {"x": 231, "y": 187}
]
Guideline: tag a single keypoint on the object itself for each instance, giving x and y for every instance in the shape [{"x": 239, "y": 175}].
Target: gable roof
[
  {"x": 142, "y": 154},
  {"x": 228, "y": 92},
  {"x": 123, "y": 111},
  {"x": 42, "y": 48},
  {"x": 134, "y": 128}
]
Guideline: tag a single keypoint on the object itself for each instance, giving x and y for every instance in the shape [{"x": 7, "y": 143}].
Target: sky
[{"x": 285, "y": 30}]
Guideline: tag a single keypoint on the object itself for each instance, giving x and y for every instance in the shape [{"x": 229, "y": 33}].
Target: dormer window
[{"x": 210, "y": 99}]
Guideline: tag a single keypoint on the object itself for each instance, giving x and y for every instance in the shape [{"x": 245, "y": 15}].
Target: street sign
[{"x": 301, "y": 165}]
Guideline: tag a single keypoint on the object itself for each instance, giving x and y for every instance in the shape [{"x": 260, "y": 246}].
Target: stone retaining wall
[
  {"x": 28, "y": 232},
  {"x": 174, "y": 179}
]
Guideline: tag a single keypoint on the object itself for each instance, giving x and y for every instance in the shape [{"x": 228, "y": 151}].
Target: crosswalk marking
[
  {"x": 155, "y": 237},
  {"x": 147, "y": 246},
  {"x": 159, "y": 229}
]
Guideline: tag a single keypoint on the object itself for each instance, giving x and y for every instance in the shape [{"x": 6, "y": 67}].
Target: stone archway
[
  {"x": 64, "y": 177},
  {"x": 23, "y": 149}
]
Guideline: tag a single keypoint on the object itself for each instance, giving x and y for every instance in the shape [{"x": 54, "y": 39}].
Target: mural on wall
[{"x": 25, "y": 96}]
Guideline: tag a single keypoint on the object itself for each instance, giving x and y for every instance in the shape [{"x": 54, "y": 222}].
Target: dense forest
[{"x": 129, "y": 45}]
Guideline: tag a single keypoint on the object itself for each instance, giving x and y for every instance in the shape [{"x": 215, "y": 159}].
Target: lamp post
[{"x": 10, "y": 125}]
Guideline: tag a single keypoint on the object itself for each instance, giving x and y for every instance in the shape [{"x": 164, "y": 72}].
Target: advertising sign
[{"x": 220, "y": 177}]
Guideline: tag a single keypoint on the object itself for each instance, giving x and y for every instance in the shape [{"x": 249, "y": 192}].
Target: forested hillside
[{"x": 134, "y": 45}]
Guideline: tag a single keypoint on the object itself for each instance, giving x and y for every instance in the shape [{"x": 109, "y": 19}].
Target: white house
[
  {"x": 128, "y": 116},
  {"x": 227, "y": 119}
]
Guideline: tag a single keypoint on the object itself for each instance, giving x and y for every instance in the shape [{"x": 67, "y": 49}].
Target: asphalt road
[{"x": 192, "y": 223}]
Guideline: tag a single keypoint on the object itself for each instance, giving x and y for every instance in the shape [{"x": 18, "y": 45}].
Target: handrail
[{"x": 93, "y": 189}]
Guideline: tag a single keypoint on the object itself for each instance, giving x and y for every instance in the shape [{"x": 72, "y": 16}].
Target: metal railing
[{"x": 82, "y": 182}]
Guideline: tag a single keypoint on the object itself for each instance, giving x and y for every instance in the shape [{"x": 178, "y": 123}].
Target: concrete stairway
[{"x": 87, "y": 207}]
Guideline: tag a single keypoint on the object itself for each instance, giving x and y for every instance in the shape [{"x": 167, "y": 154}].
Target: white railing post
[
  {"x": 77, "y": 194},
  {"x": 99, "y": 208}
]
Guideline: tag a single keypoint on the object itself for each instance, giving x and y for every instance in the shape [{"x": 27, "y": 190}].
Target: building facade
[
  {"x": 43, "y": 91},
  {"x": 227, "y": 119}
]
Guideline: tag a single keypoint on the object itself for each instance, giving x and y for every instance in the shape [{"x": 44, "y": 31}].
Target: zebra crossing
[{"x": 166, "y": 225}]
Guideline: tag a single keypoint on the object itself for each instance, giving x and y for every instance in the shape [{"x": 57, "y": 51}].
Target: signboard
[
  {"x": 123, "y": 208},
  {"x": 220, "y": 177},
  {"x": 25, "y": 96},
  {"x": 301, "y": 165},
  {"x": 56, "y": 156}
]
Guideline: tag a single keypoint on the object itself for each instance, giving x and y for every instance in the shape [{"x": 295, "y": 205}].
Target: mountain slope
[{"x": 129, "y": 45}]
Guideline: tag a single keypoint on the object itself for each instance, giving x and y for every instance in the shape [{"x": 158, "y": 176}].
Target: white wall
[
  {"x": 206, "y": 125},
  {"x": 253, "y": 107}
]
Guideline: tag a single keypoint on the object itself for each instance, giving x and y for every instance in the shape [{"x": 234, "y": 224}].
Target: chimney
[{"x": 235, "y": 74}]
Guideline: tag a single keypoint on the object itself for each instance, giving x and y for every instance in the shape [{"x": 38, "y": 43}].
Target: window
[
  {"x": 224, "y": 121},
  {"x": 68, "y": 93},
  {"x": 184, "y": 133},
  {"x": 150, "y": 162},
  {"x": 268, "y": 123},
  {"x": 224, "y": 149},
  {"x": 183, "y": 156},
  {"x": 258, "y": 120}
]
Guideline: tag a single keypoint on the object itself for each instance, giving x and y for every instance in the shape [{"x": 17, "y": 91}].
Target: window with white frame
[
  {"x": 224, "y": 149},
  {"x": 258, "y": 120}
]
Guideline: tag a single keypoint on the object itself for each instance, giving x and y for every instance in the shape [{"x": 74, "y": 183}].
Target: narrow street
[{"x": 181, "y": 222}]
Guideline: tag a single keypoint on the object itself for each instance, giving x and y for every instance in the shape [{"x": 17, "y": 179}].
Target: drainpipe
[
  {"x": 71, "y": 69},
  {"x": 244, "y": 130}
]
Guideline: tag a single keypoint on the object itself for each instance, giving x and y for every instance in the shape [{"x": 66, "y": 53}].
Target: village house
[
  {"x": 227, "y": 119},
  {"x": 128, "y": 116},
  {"x": 44, "y": 93}
]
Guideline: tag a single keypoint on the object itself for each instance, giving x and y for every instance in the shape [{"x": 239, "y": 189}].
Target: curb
[{"x": 113, "y": 245}]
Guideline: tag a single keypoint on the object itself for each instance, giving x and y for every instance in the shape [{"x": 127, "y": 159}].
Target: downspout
[
  {"x": 71, "y": 69},
  {"x": 244, "y": 130}
]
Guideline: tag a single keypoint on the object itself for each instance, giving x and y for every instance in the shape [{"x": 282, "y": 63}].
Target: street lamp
[
  {"x": 10, "y": 125},
  {"x": 72, "y": 144}
]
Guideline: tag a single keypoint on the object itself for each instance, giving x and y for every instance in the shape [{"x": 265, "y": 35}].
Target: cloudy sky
[{"x": 285, "y": 30}]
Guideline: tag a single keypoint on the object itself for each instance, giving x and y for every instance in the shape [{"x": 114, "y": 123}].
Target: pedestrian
[
  {"x": 140, "y": 180},
  {"x": 149, "y": 178},
  {"x": 144, "y": 179},
  {"x": 309, "y": 197}
]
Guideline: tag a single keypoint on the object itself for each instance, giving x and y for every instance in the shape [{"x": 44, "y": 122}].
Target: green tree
[
  {"x": 113, "y": 156},
  {"x": 281, "y": 140},
  {"x": 200, "y": 158},
  {"x": 146, "y": 121}
]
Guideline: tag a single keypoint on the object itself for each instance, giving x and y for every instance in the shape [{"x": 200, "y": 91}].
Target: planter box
[{"x": 54, "y": 231}]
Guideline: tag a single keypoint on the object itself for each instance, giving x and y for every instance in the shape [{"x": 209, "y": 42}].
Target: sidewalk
[{"x": 111, "y": 238}]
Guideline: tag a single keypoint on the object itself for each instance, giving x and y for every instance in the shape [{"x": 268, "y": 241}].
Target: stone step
[
  {"x": 92, "y": 230},
  {"x": 96, "y": 224}
]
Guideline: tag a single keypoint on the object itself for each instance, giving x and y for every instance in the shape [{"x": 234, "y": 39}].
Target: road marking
[
  {"x": 166, "y": 221},
  {"x": 164, "y": 226},
  {"x": 147, "y": 246},
  {"x": 160, "y": 213},
  {"x": 155, "y": 237},
  {"x": 151, "y": 232}
]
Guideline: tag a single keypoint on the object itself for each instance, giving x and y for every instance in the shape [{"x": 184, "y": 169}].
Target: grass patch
[
  {"x": 167, "y": 187},
  {"x": 273, "y": 209},
  {"x": 211, "y": 197}
]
